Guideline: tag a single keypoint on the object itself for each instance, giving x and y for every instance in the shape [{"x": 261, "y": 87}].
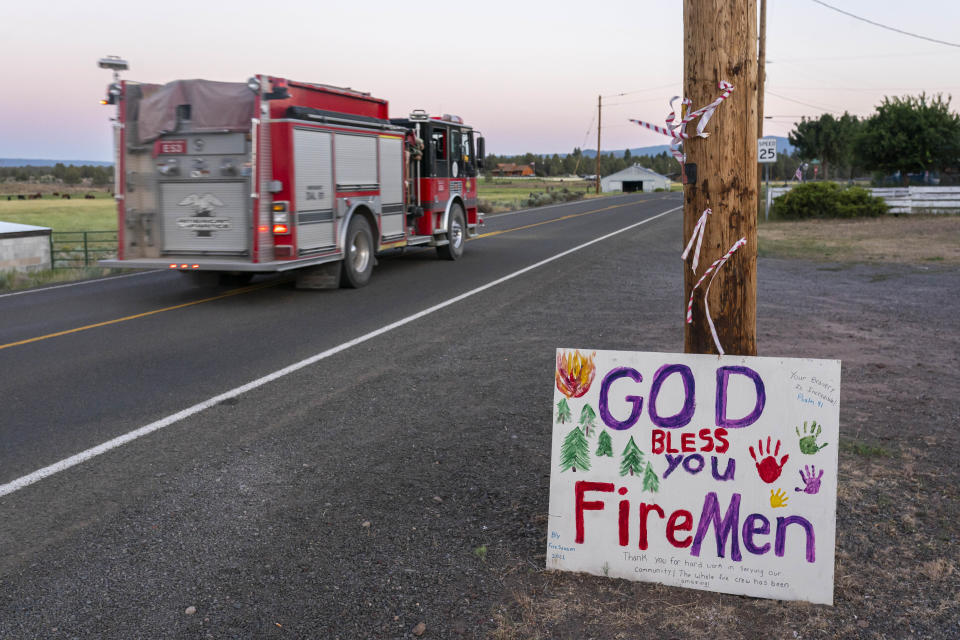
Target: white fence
[{"x": 905, "y": 199}]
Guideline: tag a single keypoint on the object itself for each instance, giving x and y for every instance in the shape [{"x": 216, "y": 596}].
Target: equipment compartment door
[
  {"x": 205, "y": 217},
  {"x": 314, "y": 190},
  {"x": 391, "y": 187}
]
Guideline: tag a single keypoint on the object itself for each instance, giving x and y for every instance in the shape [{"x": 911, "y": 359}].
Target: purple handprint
[{"x": 811, "y": 479}]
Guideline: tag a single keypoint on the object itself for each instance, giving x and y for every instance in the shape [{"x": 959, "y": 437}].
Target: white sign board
[
  {"x": 709, "y": 472},
  {"x": 766, "y": 150}
]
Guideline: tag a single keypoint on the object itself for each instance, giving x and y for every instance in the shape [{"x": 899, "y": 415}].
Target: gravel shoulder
[{"x": 405, "y": 482}]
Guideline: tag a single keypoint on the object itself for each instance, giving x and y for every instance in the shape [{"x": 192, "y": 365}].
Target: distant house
[
  {"x": 635, "y": 178},
  {"x": 509, "y": 169}
]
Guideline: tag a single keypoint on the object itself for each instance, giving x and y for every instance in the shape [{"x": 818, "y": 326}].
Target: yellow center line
[
  {"x": 552, "y": 220},
  {"x": 233, "y": 292}
]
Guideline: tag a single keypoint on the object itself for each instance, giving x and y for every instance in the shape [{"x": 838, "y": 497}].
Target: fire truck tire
[
  {"x": 456, "y": 234},
  {"x": 358, "y": 261}
]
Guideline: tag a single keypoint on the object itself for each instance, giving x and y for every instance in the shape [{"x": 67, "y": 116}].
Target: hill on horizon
[{"x": 47, "y": 162}]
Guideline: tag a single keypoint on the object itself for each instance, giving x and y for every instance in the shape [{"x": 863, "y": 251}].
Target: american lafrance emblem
[{"x": 202, "y": 221}]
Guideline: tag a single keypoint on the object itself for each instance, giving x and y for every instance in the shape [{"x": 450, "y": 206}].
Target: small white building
[
  {"x": 635, "y": 178},
  {"x": 24, "y": 247}
]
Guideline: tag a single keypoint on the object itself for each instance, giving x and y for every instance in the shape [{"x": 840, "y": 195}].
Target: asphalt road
[{"x": 121, "y": 544}]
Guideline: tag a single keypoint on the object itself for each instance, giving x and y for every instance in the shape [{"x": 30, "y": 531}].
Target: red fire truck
[{"x": 233, "y": 179}]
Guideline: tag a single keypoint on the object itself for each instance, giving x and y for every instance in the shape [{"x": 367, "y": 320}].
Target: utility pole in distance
[
  {"x": 761, "y": 74},
  {"x": 720, "y": 43},
  {"x": 599, "y": 113}
]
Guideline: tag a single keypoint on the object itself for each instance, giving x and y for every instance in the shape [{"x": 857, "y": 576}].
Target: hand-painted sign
[{"x": 700, "y": 471}]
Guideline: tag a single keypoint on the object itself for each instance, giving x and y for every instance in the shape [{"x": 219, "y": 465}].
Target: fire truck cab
[{"x": 275, "y": 175}]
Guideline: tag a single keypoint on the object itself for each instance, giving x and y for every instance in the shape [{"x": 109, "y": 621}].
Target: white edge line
[
  {"x": 66, "y": 463},
  {"x": 77, "y": 284}
]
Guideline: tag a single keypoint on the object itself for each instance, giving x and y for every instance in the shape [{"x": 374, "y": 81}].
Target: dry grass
[{"x": 903, "y": 239}]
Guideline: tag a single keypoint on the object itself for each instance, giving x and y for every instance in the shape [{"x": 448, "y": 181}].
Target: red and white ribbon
[
  {"x": 714, "y": 268},
  {"x": 677, "y": 132},
  {"x": 698, "y": 231}
]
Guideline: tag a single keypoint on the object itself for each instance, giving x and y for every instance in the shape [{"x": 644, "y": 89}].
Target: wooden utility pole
[
  {"x": 599, "y": 112},
  {"x": 720, "y": 43}
]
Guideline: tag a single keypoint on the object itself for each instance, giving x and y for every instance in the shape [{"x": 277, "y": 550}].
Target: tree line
[
  {"x": 576, "y": 163},
  {"x": 907, "y": 138},
  {"x": 99, "y": 176}
]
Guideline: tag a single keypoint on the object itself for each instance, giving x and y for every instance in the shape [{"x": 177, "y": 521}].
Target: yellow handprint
[{"x": 778, "y": 498}]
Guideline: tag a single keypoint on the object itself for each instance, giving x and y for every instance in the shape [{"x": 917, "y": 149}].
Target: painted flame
[{"x": 575, "y": 373}]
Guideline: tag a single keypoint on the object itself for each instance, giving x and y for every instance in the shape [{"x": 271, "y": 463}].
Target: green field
[{"x": 62, "y": 215}]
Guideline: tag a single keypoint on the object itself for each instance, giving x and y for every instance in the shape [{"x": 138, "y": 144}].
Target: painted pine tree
[
  {"x": 632, "y": 459},
  {"x": 563, "y": 411},
  {"x": 604, "y": 445},
  {"x": 587, "y": 418},
  {"x": 651, "y": 482},
  {"x": 575, "y": 451}
]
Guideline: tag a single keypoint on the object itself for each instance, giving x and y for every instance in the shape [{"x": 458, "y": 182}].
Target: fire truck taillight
[{"x": 281, "y": 218}]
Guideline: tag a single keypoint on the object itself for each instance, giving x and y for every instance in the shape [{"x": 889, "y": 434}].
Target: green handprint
[{"x": 808, "y": 441}]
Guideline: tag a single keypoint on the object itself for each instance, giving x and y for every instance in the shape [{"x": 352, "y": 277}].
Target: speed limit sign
[{"x": 766, "y": 150}]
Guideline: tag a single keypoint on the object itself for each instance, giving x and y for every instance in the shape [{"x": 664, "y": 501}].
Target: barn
[
  {"x": 24, "y": 247},
  {"x": 635, "y": 178}
]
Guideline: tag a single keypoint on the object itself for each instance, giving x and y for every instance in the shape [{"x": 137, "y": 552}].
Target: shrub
[
  {"x": 827, "y": 200},
  {"x": 552, "y": 196}
]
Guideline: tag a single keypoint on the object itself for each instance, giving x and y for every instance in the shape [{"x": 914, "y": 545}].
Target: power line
[
  {"x": 883, "y": 26},
  {"x": 871, "y": 56},
  {"x": 627, "y": 93},
  {"x": 645, "y": 100},
  {"x": 869, "y": 90},
  {"x": 806, "y": 104}
]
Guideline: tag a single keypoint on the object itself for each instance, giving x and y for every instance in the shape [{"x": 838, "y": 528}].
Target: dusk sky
[{"x": 527, "y": 74}]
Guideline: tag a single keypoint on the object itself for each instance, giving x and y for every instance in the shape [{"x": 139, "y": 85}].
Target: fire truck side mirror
[{"x": 480, "y": 152}]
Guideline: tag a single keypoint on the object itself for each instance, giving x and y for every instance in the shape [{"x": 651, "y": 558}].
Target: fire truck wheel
[
  {"x": 358, "y": 261},
  {"x": 456, "y": 235}
]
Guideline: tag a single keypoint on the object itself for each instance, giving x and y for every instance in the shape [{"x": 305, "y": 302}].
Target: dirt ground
[{"x": 881, "y": 295}]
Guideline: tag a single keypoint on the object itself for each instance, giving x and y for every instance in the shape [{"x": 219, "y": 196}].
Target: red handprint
[{"x": 768, "y": 468}]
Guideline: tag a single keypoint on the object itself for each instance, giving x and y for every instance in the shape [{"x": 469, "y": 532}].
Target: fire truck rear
[{"x": 234, "y": 179}]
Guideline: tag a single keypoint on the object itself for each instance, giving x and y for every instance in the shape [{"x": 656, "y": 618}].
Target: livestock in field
[{"x": 65, "y": 196}]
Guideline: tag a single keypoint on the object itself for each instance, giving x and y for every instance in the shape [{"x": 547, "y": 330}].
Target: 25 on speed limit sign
[{"x": 766, "y": 150}]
